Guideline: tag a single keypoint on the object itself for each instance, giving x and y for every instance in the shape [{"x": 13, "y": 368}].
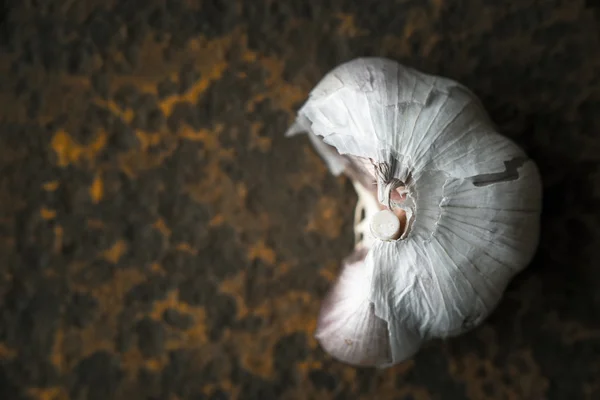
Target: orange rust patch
[
  {"x": 312, "y": 173},
  {"x": 116, "y": 251},
  {"x": 186, "y": 248},
  {"x": 68, "y": 151},
  {"x": 58, "y": 238},
  {"x": 329, "y": 271},
  {"x": 571, "y": 332},
  {"x": 161, "y": 226},
  {"x": 100, "y": 335},
  {"x": 112, "y": 292},
  {"x": 147, "y": 139},
  {"x": 308, "y": 366},
  {"x": 290, "y": 313},
  {"x": 157, "y": 268},
  {"x": 97, "y": 189},
  {"x": 191, "y": 95},
  {"x": 225, "y": 385},
  {"x": 133, "y": 360},
  {"x": 217, "y": 220},
  {"x": 235, "y": 287},
  {"x": 212, "y": 71},
  {"x": 6, "y": 352},
  {"x": 282, "y": 94},
  {"x": 52, "y": 393},
  {"x": 152, "y": 69},
  {"x": 210, "y": 138},
  {"x": 257, "y": 141},
  {"x": 282, "y": 269},
  {"x": 347, "y": 26},
  {"x": 193, "y": 337},
  {"x": 260, "y": 251},
  {"x": 136, "y": 160},
  {"x": 57, "y": 358},
  {"x": 529, "y": 383},
  {"x": 326, "y": 218},
  {"x": 125, "y": 115},
  {"x": 50, "y": 186},
  {"x": 228, "y": 200},
  {"x": 94, "y": 223},
  {"x": 47, "y": 214}
]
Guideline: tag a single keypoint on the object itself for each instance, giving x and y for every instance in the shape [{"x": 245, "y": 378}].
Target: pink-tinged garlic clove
[{"x": 347, "y": 327}]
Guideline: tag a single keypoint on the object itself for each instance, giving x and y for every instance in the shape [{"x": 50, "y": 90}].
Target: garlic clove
[{"x": 347, "y": 327}]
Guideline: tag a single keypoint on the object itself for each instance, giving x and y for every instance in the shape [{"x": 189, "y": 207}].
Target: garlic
[{"x": 467, "y": 204}]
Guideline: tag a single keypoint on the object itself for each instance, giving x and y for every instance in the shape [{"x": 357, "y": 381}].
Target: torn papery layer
[{"x": 472, "y": 197}]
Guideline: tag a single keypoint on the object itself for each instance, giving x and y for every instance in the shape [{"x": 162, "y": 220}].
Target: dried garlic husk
[{"x": 467, "y": 200}]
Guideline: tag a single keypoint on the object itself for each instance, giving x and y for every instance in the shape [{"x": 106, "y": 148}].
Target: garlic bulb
[{"x": 467, "y": 202}]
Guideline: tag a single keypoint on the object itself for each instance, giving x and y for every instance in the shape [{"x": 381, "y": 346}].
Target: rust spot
[
  {"x": 196, "y": 335},
  {"x": 116, "y": 251},
  {"x": 157, "y": 268},
  {"x": 347, "y": 26},
  {"x": 94, "y": 223},
  {"x": 147, "y": 139},
  {"x": 326, "y": 218},
  {"x": 100, "y": 335},
  {"x": 217, "y": 220},
  {"x": 52, "y": 393},
  {"x": 161, "y": 226},
  {"x": 6, "y": 353},
  {"x": 125, "y": 115},
  {"x": 570, "y": 331},
  {"x": 263, "y": 144},
  {"x": 260, "y": 251},
  {"x": 228, "y": 200},
  {"x": 293, "y": 312},
  {"x": 58, "y": 238},
  {"x": 186, "y": 248},
  {"x": 312, "y": 173},
  {"x": 132, "y": 361},
  {"x": 192, "y": 94},
  {"x": 282, "y": 269},
  {"x": 306, "y": 366},
  {"x": 47, "y": 214},
  {"x": 235, "y": 287},
  {"x": 68, "y": 151},
  {"x": 225, "y": 385},
  {"x": 283, "y": 95},
  {"x": 97, "y": 189},
  {"x": 57, "y": 358},
  {"x": 139, "y": 160},
  {"x": 50, "y": 186},
  {"x": 210, "y": 138},
  {"x": 329, "y": 271},
  {"x": 529, "y": 383}
]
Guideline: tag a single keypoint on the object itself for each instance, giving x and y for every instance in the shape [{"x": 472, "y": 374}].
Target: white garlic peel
[{"x": 472, "y": 199}]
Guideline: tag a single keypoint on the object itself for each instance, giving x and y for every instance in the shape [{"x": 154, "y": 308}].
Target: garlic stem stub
[
  {"x": 385, "y": 225},
  {"x": 448, "y": 209}
]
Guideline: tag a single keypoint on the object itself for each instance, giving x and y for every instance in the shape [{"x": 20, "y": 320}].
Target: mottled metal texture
[{"x": 160, "y": 239}]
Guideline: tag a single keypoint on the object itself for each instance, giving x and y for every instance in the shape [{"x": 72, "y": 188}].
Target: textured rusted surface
[{"x": 159, "y": 239}]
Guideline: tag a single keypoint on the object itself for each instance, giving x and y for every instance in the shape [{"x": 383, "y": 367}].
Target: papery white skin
[{"x": 473, "y": 198}]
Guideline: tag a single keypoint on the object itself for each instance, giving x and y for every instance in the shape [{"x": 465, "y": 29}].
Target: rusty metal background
[{"x": 160, "y": 239}]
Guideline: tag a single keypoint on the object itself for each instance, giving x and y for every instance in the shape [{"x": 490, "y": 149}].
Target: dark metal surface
[{"x": 160, "y": 239}]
